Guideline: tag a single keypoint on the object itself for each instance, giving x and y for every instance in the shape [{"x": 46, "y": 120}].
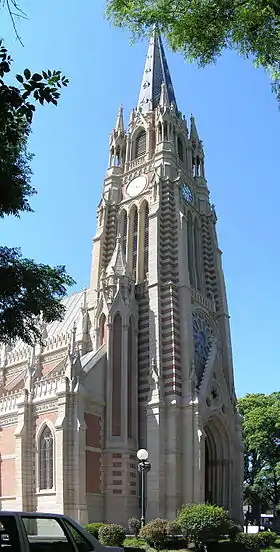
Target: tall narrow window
[
  {"x": 130, "y": 381},
  {"x": 197, "y": 254},
  {"x": 190, "y": 249},
  {"x": 46, "y": 460},
  {"x": 117, "y": 376},
  {"x": 124, "y": 233},
  {"x": 102, "y": 330},
  {"x": 135, "y": 244},
  {"x": 180, "y": 149},
  {"x": 140, "y": 144},
  {"x": 146, "y": 241}
]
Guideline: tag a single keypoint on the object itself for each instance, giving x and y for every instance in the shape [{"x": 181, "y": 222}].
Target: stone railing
[
  {"x": 48, "y": 388},
  {"x": 136, "y": 162},
  {"x": 203, "y": 300},
  {"x": 8, "y": 403}
]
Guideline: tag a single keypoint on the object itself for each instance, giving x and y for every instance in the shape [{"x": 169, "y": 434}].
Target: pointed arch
[
  {"x": 140, "y": 143},
  {"x": 45, "y": 458},
  {"x": 146, "y": 240},
  {"x": 197, "y": 253},
  {"x": 180, "y": 149},
  {"x": 159, "y": 132},
  {"x": 130, "y": 380},
  {"x": 123, "y": 231},
  {"x": 165, "y": 131},
  {"x": 117, "y": 376},
  {"x": 190, "y": 249},
  {"x": 134, "y": 227}
]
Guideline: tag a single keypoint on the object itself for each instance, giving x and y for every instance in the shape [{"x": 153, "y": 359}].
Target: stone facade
[{"x": 143, "y": 356}]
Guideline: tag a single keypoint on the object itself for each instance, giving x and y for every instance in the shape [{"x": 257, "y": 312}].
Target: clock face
[
  {"x": 187, "y": 193},
  {"x": 136, "y": 186}
]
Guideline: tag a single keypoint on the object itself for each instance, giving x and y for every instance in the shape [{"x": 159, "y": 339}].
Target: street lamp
[{"x": 143, "y": 467}]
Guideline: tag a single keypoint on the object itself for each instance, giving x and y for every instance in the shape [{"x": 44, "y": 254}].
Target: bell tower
[{"x": 158, "y": 307}]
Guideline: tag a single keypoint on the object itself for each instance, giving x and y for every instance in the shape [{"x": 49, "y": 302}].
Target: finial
[
  {"x": 120, "y": 122},
  {"x": 193, "y": 132},
  {"x": 72, "y": 345}
]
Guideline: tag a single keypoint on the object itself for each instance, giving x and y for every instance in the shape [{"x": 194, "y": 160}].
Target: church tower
[{"x": 158, "y": 310}]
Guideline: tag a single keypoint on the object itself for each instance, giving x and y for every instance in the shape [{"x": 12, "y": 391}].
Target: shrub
[
  {"x": 233, "y": 530},
  {"x": 250, "y": 542},
  {"x": 111, "y": 534},
  {"x": 203, "y": 523},
  {"x": 155, "y": 533},
  {"x": 173, "y": 529},
  {"x": 134, "y": 526},
  {"x": 93, "y": 528},
  {"x": 266, "y": 539}
]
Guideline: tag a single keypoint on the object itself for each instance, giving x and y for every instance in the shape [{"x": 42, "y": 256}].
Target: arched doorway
[{"x": 218, "y": 465}]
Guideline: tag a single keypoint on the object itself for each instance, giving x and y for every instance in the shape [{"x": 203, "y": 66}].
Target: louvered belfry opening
[{"x": 140, "y": 144}]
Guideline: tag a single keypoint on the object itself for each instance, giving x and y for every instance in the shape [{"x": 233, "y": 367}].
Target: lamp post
[{"x": 143, "y": 467}]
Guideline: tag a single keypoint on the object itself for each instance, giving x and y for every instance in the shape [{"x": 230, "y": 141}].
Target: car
[{"x": 41, "y": 532}]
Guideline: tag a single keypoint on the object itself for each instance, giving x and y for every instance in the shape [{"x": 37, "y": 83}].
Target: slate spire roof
[{"x": 156, "y": 72}]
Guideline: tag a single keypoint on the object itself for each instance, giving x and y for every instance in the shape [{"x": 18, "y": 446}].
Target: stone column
[
  {"x": 60, "y": 451},
  {"x": 25, "y": 468}
]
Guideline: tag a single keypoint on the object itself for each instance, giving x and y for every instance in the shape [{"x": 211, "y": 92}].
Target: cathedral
[{"x": 142, "y": 358}]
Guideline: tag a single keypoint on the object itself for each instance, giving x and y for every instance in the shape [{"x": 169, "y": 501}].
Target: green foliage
[
  {"x": 233, "y": 530},
  {"x": 266, "y": 539},
  {"x": 202, "y": 29},
  {"x": 29, "y": 293},
  {"x": 93, "y": 528},
  {"x": 134, "y": 526},
  {"x": 202, "y": 523},
  {"x": 133, "y": 542},
  {"x": 155, "y": 533},
  {"x": 261, "y": 434},
  {"x": 250, "y": 542},
  {"x": 111, "y": 535},
  {"x": 173, "y": 529}
]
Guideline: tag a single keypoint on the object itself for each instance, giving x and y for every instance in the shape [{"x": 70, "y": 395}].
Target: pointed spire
[
  {"x": 193, "y": 133},
  {"x": 120, "y": 123},
  {"x": 156, "y": 72},
  {"x": 117, "y": 265}
]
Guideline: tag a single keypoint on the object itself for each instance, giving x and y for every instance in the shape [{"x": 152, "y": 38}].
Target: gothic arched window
[
  {"x": 190, "y": 249},
  {"x": 102, "y": 330},
  {"x": 197, "y": 254},
  {"x": 117, "y": 376},
  {"x": 135, "y": 244},
  {"x": 146, "y": 240},
  {"x": 46, "y": 459},
  {"x": 180, "y": 149},
  {"x": 124, "y": 232},
  {"x": 140, "y": 144},
  {"x": 130, "y": 382}
]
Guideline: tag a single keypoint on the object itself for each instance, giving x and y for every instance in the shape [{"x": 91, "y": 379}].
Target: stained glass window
[
  {"x": 202, "y": 333},
  {"x": 46, "y": 459}
]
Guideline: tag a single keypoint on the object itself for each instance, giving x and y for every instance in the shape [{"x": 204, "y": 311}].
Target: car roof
[{"x": 30, "y": 514}]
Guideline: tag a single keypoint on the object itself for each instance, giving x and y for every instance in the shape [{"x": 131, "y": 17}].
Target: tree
[
  {"x": 202, "y": 29},
  {"x": 261, "y": 430},
  {"x": 29, "y": 292}
]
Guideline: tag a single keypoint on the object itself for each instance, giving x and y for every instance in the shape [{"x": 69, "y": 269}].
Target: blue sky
[{"x": 238, "y": 121}]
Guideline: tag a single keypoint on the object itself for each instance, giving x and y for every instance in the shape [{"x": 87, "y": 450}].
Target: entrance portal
[{"x": 218, "y": 472}]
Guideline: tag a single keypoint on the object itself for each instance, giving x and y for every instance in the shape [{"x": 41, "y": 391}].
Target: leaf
[
  {"x": 27, "y": 74},
  {"x": 36, "y": 77},
  {"x": 19, "y": 78},
  {"x": 45, "y": 75}
]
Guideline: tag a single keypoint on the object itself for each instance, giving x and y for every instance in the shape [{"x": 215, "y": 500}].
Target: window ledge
[{"x": 46, "y": 492}]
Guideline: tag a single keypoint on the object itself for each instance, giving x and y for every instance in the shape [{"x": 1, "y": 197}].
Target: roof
[{"x": 155, "y": 73}]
